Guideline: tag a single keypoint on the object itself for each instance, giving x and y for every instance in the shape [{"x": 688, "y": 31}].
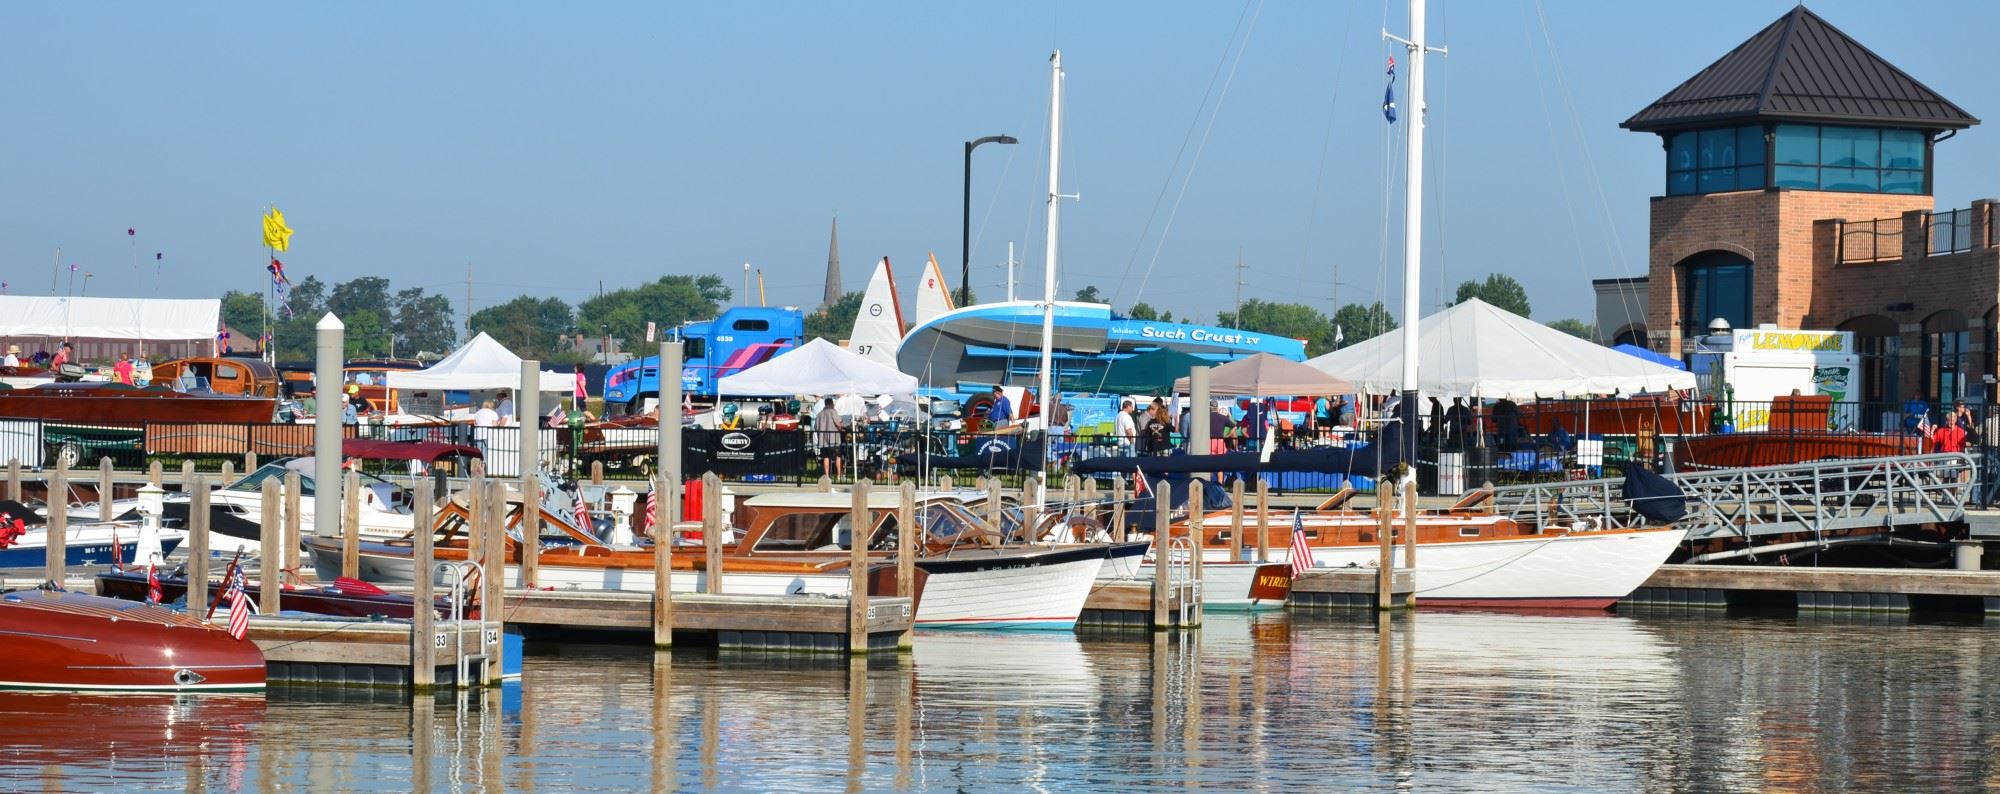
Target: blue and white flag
[{"x": 1389, "y": 95}]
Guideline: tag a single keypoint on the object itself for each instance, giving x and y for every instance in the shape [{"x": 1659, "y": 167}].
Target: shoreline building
[{"x": 1797, "y": 192}]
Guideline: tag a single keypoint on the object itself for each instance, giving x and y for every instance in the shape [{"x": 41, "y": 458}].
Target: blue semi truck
[{"x": 741, "y": 338}]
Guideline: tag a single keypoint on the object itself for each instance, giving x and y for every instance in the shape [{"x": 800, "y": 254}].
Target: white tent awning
[
  {"x": 479, "y": 364},
  {"x": 109, "y": 318},
  {"x": 819, "y": 367},
  {"x": 1475, "y": 349}
]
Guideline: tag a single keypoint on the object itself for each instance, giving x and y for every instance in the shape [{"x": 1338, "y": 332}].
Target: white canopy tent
[
  {"x": 819, "y": 367},
  {"x": 479, "y": 364},
  {"x": 1475, "y": 349},
  {"x": 109, "y": 318}
]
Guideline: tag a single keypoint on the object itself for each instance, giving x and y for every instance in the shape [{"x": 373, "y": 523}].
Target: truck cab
[{"x": 741, "y": 338}]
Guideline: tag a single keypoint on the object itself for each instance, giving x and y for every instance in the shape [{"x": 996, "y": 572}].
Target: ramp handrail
[
  {"x": 1803, "y": 497},
  {"x": 1181, "y": 580}
]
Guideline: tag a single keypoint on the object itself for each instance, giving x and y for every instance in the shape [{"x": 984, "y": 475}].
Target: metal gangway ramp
[{"x": 1748, "y": 503}]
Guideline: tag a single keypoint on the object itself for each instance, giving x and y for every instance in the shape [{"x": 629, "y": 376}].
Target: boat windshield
[{"x": 254, "y": 481}]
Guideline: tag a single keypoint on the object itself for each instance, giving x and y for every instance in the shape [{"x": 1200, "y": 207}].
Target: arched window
[
  {"x": 1714, "y": 284},
  {"x": 1634, "y": 334},
  {"x": 1880, "y": 348},
  {"x": 1947, "y": 354}
]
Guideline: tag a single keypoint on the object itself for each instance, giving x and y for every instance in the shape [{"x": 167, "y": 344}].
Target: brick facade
[{"x": 1801, "y": 279}]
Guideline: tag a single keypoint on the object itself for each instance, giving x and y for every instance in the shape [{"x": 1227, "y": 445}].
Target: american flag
[
  {"x": 646, "y": 510},
  {"x": 152, "y": 585},
  {"x": 117, "y": 554},
  {"x": 1302, "y": 554},
  {"x": 239, "y": 605},
  {"x": 583, "y": 513}
]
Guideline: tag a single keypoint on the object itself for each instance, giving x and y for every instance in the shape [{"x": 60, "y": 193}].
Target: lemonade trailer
[{"x": 1745, "y": 370}]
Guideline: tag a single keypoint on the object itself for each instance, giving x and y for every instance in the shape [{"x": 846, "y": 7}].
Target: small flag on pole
[
  {"x": 239, "y": 604},
  {"x": 1389, "y": 94},
  {"x": 1138, "y": 482},
  {"x": 583, "y": 513},
  {"x": 117, "y": 554},
  {"x": 1302, "y": 554},
  {"x": 152, "y": 584},
  {"x": 277, "y": 236},
  {"x": 646, "y": 511}
]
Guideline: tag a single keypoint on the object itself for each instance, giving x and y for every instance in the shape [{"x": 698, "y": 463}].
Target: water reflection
[{"x": 1268, "y": 702}]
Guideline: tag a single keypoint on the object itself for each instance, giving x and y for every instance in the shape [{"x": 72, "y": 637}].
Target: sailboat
[
  {"x": 878, "y": 326},
  {"x": 932, "y": 298},
  {"x": 1466, "y": 557}
]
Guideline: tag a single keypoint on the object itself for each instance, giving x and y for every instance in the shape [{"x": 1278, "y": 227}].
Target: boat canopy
[{"x": 481, "y": 363}]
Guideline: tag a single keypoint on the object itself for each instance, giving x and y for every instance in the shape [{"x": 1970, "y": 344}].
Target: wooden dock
[
  {"x": 369, "y": 653},
  {"x": 1839, "y": 589},
  {"x": 1349, "y": 588},
  {"x": 1128, "y": 603},
  {"x": 793, "y": 623}
]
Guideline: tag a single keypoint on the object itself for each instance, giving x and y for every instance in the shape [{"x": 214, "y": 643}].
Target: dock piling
[
  {"x": 666, "y": 504},
  {"x": 1410, "y": 525},
  {"x": 1385, "y": 567},
  {"x": 711, "y": 532},
  {"x": 228, "y": 474},
  {"x": 197, "y": 564},
  {"x": 1162, "y": 532},
  {"x": 1118, "y": 508},
  {"x": 993, "y": 504},
  {"x": 825, "y": 484},
  {"x": 597, "y": 472},
  {"x": 531, "y": 528},
  {"x": 857, "y": 569},
  {"x": 104, "y": 486},
  {"x": 153, "y": 473},
  {"x": 907, "y": 537},
  {"x": 493, "y": 601},
  {"x": 58, "y": 532},
  {"x": 1236, "y": 521},
  {"x": 187, "y": 473},
  {"x": 249, "y": 461},
  {"x": 1263, "y": 521},
  {"x": 14, "y": 479},
  {"x": 423, "y": 558},
  {"x": 269, "y": 558},
  {"x": 294, "y": 498},
  {"x": 350, "y": 525}
]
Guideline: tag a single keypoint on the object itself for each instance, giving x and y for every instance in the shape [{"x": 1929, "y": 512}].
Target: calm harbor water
[{"x": 1434, "y": 701}]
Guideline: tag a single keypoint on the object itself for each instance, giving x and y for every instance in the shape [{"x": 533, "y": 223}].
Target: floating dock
[
  {"x": 1350, "y": 588},
  {"x": 1839, "y": 589},
  {"x": 768, "y": 623}
]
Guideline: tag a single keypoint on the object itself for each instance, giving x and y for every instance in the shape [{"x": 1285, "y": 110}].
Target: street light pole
[{"x": 965, "y": 226}]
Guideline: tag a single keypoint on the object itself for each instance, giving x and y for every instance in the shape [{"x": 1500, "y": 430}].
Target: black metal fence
[
  {"x": 1949, "y": 232},
  {"x": 1878, "y": 240}
]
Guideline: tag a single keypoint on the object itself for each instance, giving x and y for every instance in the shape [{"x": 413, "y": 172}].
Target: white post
[
  {"x": 151, "y": 497},
  {"x": 621, "y": 516},
  {"x": 669, "y": 462},
  {"x": 1047, "y": 385},
  {"x": 330, "y": 356},
  {"x": 528, "y": 410}
]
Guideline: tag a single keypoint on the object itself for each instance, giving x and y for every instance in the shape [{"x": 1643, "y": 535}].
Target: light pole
[
  {"x": 965, "y": 226},
  {"x": 745, "y": 300}
]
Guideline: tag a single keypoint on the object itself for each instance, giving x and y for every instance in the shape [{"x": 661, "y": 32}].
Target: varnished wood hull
[
  {"x": 72, "y": 641},
  {"x": 1742, "y": 450},
  {"x": 134, "y": 407}
]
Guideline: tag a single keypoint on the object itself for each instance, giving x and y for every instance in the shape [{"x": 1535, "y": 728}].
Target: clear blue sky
[{"x": 556, "y": 145}]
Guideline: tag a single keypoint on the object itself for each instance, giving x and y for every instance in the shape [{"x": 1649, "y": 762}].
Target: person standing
[
  {"x": 121, "y": 371},
  {"x": 1124, "y": 429},
  {"x": 582, "y": 388},
  {"x": 486, "y": 416},
  {"x": 827, "y": 440}
]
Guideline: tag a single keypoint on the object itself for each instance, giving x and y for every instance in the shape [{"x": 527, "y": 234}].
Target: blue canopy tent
[{"x": 1661, "y": 359}]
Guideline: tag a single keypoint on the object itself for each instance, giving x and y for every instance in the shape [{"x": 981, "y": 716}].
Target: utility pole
[{"x": 1239, "y": 288}]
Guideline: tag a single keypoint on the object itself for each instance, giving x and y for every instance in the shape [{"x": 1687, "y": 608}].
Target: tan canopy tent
[{"x": 1266, "y": 375}]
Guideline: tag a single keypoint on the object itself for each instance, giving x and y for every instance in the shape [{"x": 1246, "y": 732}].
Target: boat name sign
[{"x": 1197, "y": 335}]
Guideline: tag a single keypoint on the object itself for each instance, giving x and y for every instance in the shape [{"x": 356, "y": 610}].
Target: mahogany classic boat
[
  {"x": 224, "y": 375},
  {"x": 118, "y": 404},
  {"x": 72, "y": 641}
]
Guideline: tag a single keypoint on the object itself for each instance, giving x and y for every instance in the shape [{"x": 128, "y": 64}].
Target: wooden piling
[
  {"x": 1197, "y": 525},
  {"x": 58, "y": 532},
  {"x": 1031, "y": 516},
  {"x": 1089, "y": 501},
  {"x": 104, "y": 486},
  {"x": 294, "y": 520},
  {"x": 492, "y": 610},
  {"x": 1263, "y": 521},
  {"x": 14, "y": 479},
  {"x": 269, "y": 558},
  {"x": 228, "y": 474},
  {"x": 1385, "y": 566},
  {"x": 1236, "y": 521},
  {"x": 1118, "y": 508},
  {"x": 1162, "y": 529},
  {"x": 993, "y": 503},
  {"x": 197, "y": 564},
  {"x": 187, "y": 472},
  {"x": 153, "y": 474},
  {"x": 666, "y": 506},
  {"x": 1410, "y": 525},
  {"x": 423, "y": 557},
  {"x": 711, "y": 532},
  {"x": 350, "y": 525},
  {"x": 825, "y": 484},
  {"x": 597, "y": 472},
  {"x": 906, "y": 552},
  {"x": 531, "y": 528},
  {"x": 857, "y": 569},
  {"x": 249, "y": 461}
]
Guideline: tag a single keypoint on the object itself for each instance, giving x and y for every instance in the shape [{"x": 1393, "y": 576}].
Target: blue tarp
[{"x": 1661, "y": 359}]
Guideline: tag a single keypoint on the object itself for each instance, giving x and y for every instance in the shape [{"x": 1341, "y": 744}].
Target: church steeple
[{"x": 833, "y": 291}]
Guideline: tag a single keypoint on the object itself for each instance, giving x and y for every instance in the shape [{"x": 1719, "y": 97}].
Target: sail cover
[{"x": 878, "y": 326}]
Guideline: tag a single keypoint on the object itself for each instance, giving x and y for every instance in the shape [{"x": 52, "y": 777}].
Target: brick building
[{"x": 1798, "y": 193}]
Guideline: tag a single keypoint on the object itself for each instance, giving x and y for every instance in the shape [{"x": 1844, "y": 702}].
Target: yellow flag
[{"x": 277, "y": 236}]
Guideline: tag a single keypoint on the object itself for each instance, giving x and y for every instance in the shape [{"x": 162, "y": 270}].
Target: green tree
[
  {"x": 526, "y": 325},
  {"x": 243, "y": 311},
  {"x": 1145, "y": 311},
  {"x": 1293, "y": 320},
  {"x": 367, "y": 333},
  {"x": 1499, "y": 289},
  {"x": 837, "y": 321},
  {"x": 668, "y": 302},
  {"x": 367, "y": 293},
  {"x": 1576, "y": 328},
  {"x": 1089, "y": 294},
  {"x": 292, "y": 326},
  {"x": 1357, "y": 323},
  {"x": 423, "y": 323}
]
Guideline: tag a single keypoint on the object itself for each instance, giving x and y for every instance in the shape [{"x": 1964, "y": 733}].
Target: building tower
[
  {"x": 833, "y": 292},
  {"x": 1798, "y": 193}
]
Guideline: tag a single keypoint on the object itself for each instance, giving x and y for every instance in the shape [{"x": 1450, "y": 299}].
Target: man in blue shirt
[{"x": 1002, "y": 412}]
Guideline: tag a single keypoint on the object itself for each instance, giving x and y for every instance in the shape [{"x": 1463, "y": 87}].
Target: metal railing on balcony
[
  {"x": 1950, "y": 232},
  {"x": 1879, "y": 240}
]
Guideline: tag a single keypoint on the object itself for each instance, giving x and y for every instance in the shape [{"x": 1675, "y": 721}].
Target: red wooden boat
[
  {"x": 351, "y": 598},
  {"x": 118, "y": 404},
  {"x": 1782, "y": 447},
  {"x": 73, "y": 641}
]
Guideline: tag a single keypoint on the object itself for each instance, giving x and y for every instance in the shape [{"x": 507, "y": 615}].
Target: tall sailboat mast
[
  {"x": 1413, "y": 227},
  {"x": 1047, "y": 384}
]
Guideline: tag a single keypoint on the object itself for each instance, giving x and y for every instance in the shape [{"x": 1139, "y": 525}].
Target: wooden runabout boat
[
  {"x": 1784, "y": 447},
  {"x": 348, "y": 598},
  {"x": 72, "y": 641},
  {"x": 224, "y": 375},
  {"x": 118, "y": 404}
]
